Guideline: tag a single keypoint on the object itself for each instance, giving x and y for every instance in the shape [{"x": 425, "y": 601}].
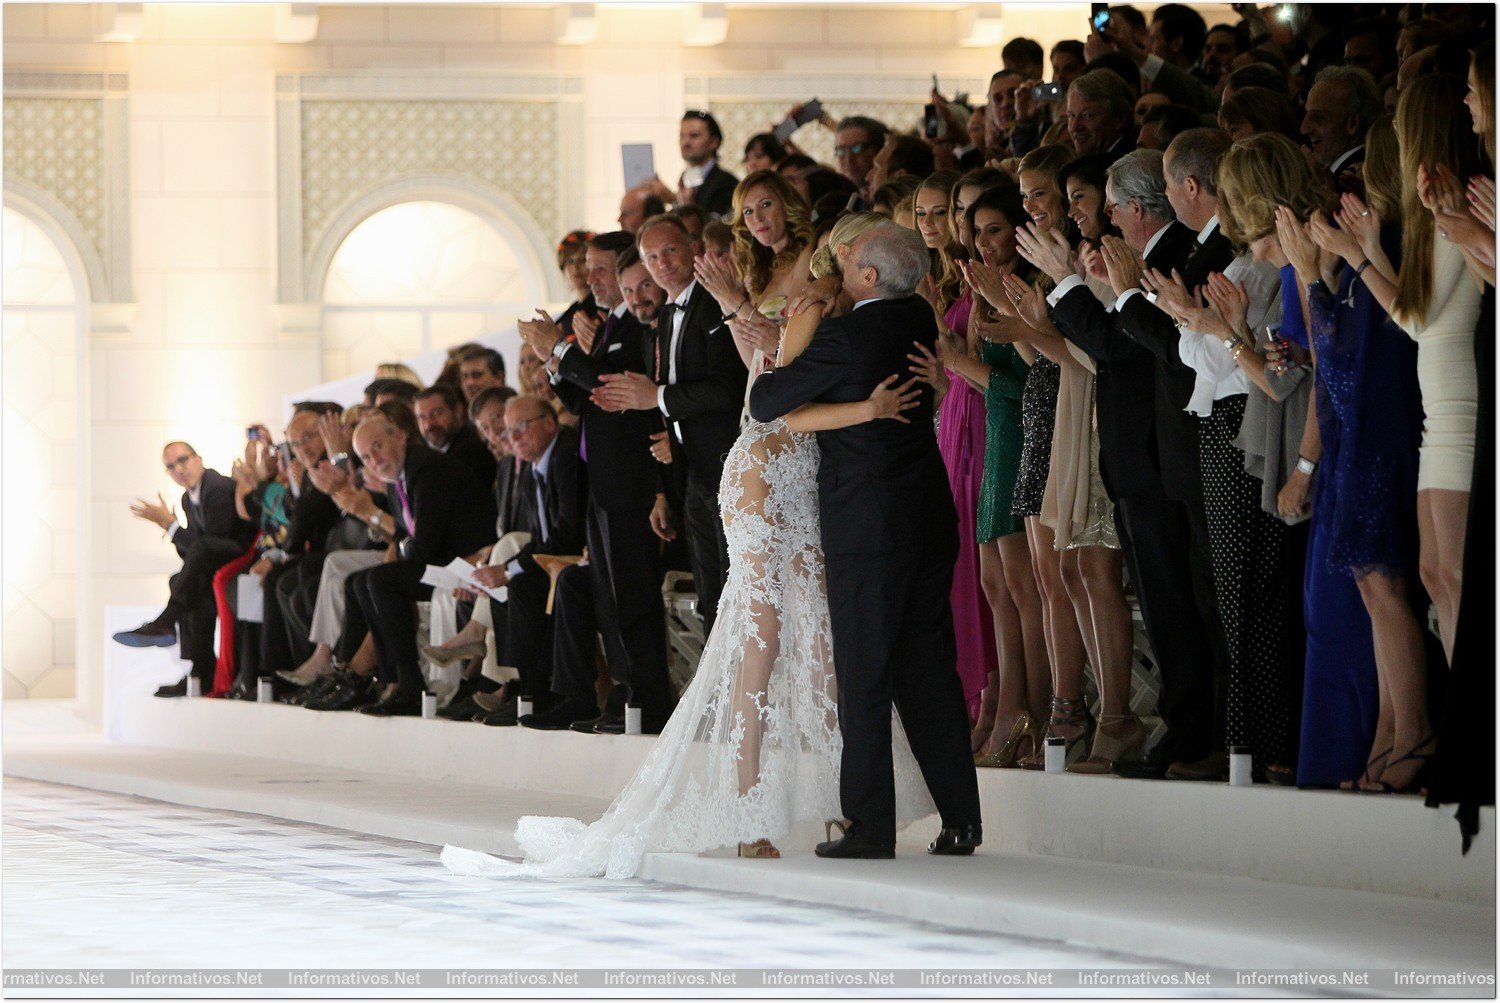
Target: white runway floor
[{"x": 105, "y": 880}]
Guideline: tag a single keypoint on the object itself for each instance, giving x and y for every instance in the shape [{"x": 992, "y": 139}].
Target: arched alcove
[
  {"x": 44, "y": 315},
  {"x": 422, "y": 264}
]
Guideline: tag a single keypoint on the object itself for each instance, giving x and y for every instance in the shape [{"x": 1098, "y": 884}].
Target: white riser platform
[{"x": 1312, "y": 838}]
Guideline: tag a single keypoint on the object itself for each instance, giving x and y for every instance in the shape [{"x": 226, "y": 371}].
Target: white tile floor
[{"x": 104, "y": 880}]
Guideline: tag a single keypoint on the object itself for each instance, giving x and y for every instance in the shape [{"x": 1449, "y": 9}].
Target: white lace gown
[{"x": 753, "y": 748}]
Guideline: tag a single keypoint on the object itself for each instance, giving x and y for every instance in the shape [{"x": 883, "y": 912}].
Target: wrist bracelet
[{"x": 1361, "y": 269}]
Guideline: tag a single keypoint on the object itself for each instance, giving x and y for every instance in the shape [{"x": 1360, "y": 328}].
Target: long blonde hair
[
  {"x": 1433, "y": 127},
  {"x": 1382, "y": 170},
  {"x": 945, "y": 274},
  {"x": 753, "y": 261}
]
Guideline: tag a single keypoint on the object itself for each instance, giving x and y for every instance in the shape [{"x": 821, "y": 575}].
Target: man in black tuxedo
[
  {"x": 443, "y": 418},
  {"x": 890, "y": 539},
  {"x": 212, "y": 536},
  {"x": 697, "y": 383},
  {"x": 1148, "y": 456},
  {"x": 551, "y": 506},
  {"x": 622, "y": 600},
  {"x": 705, "y": 184},
  {"x": 440, "y": 511}
]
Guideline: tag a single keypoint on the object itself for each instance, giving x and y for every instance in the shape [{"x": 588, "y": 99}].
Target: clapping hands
[
  {"x": 1046, "y": 249},
  {"x": 541, "y": 334}
]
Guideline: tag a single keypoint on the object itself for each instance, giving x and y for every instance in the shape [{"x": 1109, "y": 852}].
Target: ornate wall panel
[
  {"x": 67, "y": 152},
  {"x": 350, "y": 144},
  {"x": 745, "y": 105}
]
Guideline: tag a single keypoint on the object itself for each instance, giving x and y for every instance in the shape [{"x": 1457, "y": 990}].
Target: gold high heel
[
  {"x": 835, "y": 823},
  {"x": 1108, "y": 748},
  {"x": 1024, "y": 730},
  {"x": 761, "y": 849}
]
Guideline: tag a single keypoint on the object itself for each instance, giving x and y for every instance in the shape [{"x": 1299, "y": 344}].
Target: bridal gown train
[{"x": 753, "y": 747}]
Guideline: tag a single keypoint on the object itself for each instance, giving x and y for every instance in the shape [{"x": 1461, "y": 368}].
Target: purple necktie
[{"x": 411, "y": 523}]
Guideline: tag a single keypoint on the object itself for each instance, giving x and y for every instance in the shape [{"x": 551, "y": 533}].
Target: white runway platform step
[{"x": 1199, "y": 874}]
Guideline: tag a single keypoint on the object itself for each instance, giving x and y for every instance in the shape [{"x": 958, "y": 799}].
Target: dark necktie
[
  {"x": 601, "y": 343},
  {"x": 541, "y": 503},
  {"x": 664, "y": 335}
]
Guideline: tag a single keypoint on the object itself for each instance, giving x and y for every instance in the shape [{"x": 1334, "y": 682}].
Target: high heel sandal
[
  {"x": 1116, "y": 736},
  {"x": 1024, "y": 730},
  {"x": 1067, "y": 712},
  {"x": 761, "y": 849},
  {"x": 842, "y": 825},
  {"x": 1357, "y": 784},
  {"x": 1414, "y": 785}
]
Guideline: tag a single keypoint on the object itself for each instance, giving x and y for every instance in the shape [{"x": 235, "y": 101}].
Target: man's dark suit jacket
[
  {"x": 1130, "y": 462},
  {"x": 881, "y": 485},
  {"x": 565, "y": 495},
  {"x": 710, "y": 389},
  {"x": 622, "y": 474},
  {"x": 313, "y": 517},
  {"x": 453, "y": 510},
  {"x": 468, "y": 447},
  {"x": 214, "y": 516},
  {"x": 1150, "y": 327},
  {"x": 716, "y": 195}
]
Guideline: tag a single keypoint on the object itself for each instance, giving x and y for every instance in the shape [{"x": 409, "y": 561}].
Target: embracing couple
[{"x": 822, "y": 632}]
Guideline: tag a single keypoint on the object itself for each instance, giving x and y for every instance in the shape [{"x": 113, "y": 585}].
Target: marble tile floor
[{"x": 107, "y": 880}]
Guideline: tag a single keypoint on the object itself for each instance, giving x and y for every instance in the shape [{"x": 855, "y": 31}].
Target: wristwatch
[
  {"x": 1306, "y": 466},
  {"x": 559, "y": 348},
  {"x": 374, "y": 519}
]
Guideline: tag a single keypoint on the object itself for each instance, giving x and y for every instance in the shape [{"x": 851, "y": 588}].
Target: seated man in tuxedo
[
  {"x": 212, "y": 536},
  {"x": 621, "y": 601},
  {"x": 552, "y": 500},
  {"x": 443, "y": 418},
  {"x": 438, "y": 510}
]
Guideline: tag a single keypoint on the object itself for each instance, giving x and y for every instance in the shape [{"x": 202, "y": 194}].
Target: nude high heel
[{"x": 1118, "y": 736}]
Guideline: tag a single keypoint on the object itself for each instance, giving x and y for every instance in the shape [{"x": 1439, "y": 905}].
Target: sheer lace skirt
[{"x": 753, "y": 747}]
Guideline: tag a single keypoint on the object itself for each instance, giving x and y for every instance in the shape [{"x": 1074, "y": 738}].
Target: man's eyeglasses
[
  {"x": 181, "y": 461},
  {"x": 522, "y": 426},
  {"x": 852, "y": 150}
]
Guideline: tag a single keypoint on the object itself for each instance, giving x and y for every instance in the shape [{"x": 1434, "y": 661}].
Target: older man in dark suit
[{"x": 211, "y": 536}]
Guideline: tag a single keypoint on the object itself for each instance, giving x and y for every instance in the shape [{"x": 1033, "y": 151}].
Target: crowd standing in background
[{"x": 1216, "y": 328}]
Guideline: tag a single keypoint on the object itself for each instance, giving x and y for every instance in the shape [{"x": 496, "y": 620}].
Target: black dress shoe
[
  {"x": 243, "y": 689},
  {"x": 151, "y": 634},
  {"x": 853, "y": 846},
  {"x": 560, "y": 716},
  {"x": 460, "y": 710},
  {"x": 348, "y": 693},
  {"x": 956, "y": 842},
  {"x": 407, "y": 703},
  {"x": 178, "y": 689},
  {"x": 315, "y": 690},
  {"x": 505, "y": 717},
  {"x": 587, "y": 726},
  {"x": 610, "y": 724},
  {"x": 1153, "y": 767}
]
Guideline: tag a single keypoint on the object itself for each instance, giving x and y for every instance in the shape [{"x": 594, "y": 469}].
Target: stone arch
[
  {"x": 496, "y": 208},
  {"x": 62, "y": 227}
]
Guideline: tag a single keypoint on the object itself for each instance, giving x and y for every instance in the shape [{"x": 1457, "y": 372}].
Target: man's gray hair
[
  {"x": 1363, "y": 101},
  {"x": 1109, "y": 87},
  {"x": 1138, "y": 175},
  {"x": 1196, "y": 153},
  {"x": 898, "y": 255}
]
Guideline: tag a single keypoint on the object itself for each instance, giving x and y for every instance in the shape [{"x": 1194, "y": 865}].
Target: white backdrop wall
[{"x": 201, "y": 342}]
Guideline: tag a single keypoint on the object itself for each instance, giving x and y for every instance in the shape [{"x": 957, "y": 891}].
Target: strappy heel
[
  {"x": 835, "y": 823},
  {"x": 1023, "y": 731},
  {"x": 1067, "y": 712},
  {"x": 1358, "y": 783},
  {"x": 1415, "y": 784},
  {"x": 1116, "y": 737}
]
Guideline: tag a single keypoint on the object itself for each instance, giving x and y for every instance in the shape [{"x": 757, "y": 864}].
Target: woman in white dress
[{"x": 753, "y": 748}]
